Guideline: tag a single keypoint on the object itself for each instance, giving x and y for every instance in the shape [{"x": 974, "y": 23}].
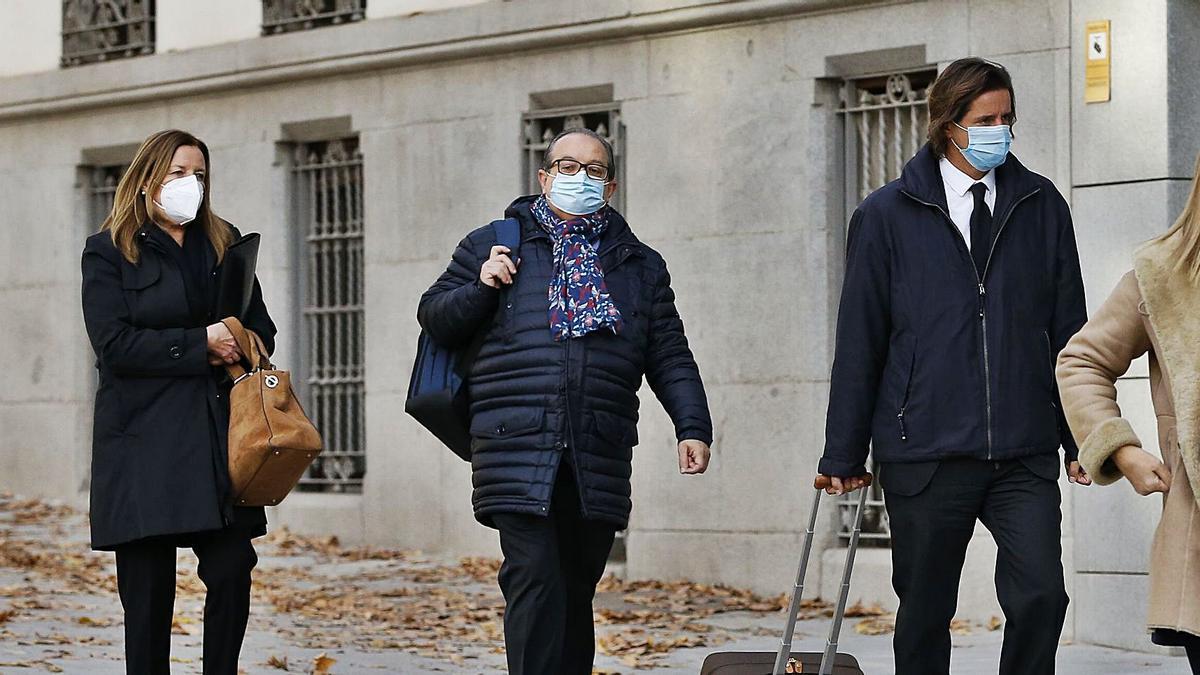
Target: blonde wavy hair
[
  {"x": 1184, "y": 235},
  {"x": 134, "y": 200}
]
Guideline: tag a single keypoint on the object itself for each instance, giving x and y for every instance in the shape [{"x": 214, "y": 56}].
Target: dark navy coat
[
  {"x": 934, "y": 359},
  {"x": 535, "y": 400},
  {"x": 160, "y": 431}
]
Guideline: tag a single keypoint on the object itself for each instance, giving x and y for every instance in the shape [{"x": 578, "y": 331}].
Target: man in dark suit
[{"x": 962, "y": 285}]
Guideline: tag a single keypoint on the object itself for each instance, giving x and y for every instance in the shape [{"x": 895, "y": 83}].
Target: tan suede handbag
[{"x": 271, "y": 440}]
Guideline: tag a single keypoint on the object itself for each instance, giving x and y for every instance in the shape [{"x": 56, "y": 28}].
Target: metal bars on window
[
  {"x": 99, "y": 30},
  {"x": 539, "y": 127},
  {"x": 101, "y": 191},
  {"x": 886, "y": 117},
  {"x": 885, "y": 121},
  {"x": 329, "y": 183},
  {"x": 282, "y": 16}
]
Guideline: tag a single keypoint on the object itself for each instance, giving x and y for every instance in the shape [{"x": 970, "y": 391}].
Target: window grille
[
  {"x": 541, "y": 126},
  {"x": 886, "y": 117},
  {"x": 283, "y": 16},
  {"x": 98, "y": 31},
  {"x": 101, "y": 191},
  {"x": 329, "y": 185},
  {"x": 885, "y": 123}
]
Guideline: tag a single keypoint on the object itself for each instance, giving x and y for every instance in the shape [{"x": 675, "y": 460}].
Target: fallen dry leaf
[
  {"x": 322, "y": 664},
  {"x": 278, "y": 663},
  {"x": 859, "y": 610},
  {"x": 876, "y": 625}
]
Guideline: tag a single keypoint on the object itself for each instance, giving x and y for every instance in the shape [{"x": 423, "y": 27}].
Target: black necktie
[{"x": 981, "y": 228}]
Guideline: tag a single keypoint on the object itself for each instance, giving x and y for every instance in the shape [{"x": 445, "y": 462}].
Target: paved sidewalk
[{"x": 321, "y": 608}]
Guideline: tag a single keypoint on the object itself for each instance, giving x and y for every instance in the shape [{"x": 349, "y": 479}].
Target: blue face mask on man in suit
[{"x": 987, "y": 147}]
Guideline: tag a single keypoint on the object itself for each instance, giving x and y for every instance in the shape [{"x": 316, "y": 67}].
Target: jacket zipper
[
  {"x": 980, "y": 277},
  {"x": 570, "y": 446}
]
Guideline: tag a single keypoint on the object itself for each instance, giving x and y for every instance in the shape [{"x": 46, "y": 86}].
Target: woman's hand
[
  {"x": 222, "y": 347},
  {"x": 1145, "y": 472},
  {"x": 1077, "y": 474}
]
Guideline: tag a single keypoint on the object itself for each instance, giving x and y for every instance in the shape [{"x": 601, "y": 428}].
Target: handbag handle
[{"x": 252, "y": 348}]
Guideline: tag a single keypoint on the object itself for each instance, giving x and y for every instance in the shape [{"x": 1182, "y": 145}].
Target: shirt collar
[{"x": 960, "y": 183}]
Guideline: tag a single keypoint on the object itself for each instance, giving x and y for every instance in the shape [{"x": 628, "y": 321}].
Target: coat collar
[
  {"x": 1170, "y": 301},
  {"x": 922, "y": 179},
  {"x": 147, "y": 236}
]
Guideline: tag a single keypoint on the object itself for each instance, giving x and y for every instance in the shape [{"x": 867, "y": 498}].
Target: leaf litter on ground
[{"x": 379, "y": 599}]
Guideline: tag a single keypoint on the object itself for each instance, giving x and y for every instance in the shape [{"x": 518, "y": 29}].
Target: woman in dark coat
[{"x": 160, "y": 477}]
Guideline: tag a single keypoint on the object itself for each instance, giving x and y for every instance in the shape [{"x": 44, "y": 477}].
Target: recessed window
[
  {"x": 541, "y": 126},
  {"x": 102, "y": 31},
  {"x": 284, "y": 16},
  {"x": 328, "y": 184}
]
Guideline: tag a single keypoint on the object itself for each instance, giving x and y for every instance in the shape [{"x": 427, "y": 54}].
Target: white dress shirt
[{"x": 959, "y": 197}]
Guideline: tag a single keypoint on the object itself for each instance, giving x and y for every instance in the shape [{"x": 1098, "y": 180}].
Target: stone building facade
[{"x": 364, "y": 142}]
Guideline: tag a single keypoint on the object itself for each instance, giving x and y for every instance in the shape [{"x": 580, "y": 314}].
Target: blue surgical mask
[
  {"x": 578, "y": 195},
  {"x": 987, "y": 147}
]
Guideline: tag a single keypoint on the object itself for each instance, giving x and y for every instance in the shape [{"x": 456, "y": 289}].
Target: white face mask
[{"x": 181, "y": 199}]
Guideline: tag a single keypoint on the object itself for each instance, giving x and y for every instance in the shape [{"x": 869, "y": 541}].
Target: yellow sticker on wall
[{"x": 1097, "y": 72}]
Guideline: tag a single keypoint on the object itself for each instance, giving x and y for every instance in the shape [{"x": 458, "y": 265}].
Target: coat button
[
  {"x": 500, "y": 428},
  {"x": 176, "y": 352},
  {"x": 560, "y": 446}
]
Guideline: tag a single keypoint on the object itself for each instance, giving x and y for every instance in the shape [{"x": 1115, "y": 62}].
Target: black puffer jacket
[{"x": 534, "y": 399}]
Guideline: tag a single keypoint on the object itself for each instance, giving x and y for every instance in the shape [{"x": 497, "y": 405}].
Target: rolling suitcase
[{"x": 829, "y": 662}]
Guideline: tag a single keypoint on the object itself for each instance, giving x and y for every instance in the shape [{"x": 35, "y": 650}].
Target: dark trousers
[
  {"x": 551, "y": 567},
  {"x": 932, "y": 508},
  {"x": 146, "y": 584},
  {"x": 1174, "y": 638}
]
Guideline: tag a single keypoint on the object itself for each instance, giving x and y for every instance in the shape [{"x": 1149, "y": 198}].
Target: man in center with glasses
[{"x": 569, "y": 327}]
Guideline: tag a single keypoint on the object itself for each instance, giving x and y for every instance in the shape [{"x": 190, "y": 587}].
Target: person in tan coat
[{"x": 1152, "y": 310}]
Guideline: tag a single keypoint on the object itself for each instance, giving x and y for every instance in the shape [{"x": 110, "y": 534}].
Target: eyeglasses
[{"x": 570, "y": 167}]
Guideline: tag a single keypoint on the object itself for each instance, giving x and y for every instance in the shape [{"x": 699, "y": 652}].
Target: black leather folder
[{"x": 236, "y": 280}]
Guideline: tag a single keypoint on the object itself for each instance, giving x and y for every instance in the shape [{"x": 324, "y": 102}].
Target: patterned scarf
[{"x": 579, "y": 300}]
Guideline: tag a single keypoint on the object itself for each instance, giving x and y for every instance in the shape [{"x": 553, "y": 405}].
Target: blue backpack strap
[{"x": 508, "y": 235}]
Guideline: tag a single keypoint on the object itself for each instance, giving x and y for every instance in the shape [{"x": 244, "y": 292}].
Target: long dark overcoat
[{"x": 159, "y": 435}]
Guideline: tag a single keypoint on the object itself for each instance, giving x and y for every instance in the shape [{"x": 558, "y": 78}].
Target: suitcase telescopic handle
[
  {"x": 785, "y": 647},
  {"x": 822, "y": 482}
]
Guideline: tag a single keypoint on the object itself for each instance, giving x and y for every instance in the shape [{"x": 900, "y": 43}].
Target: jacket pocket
[
  {"x": 507, "y": 423},
  {"x": 906, "y": 391},
  {"x": 1049, "y": 378},
  {"x": 620, "y": 432}
]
